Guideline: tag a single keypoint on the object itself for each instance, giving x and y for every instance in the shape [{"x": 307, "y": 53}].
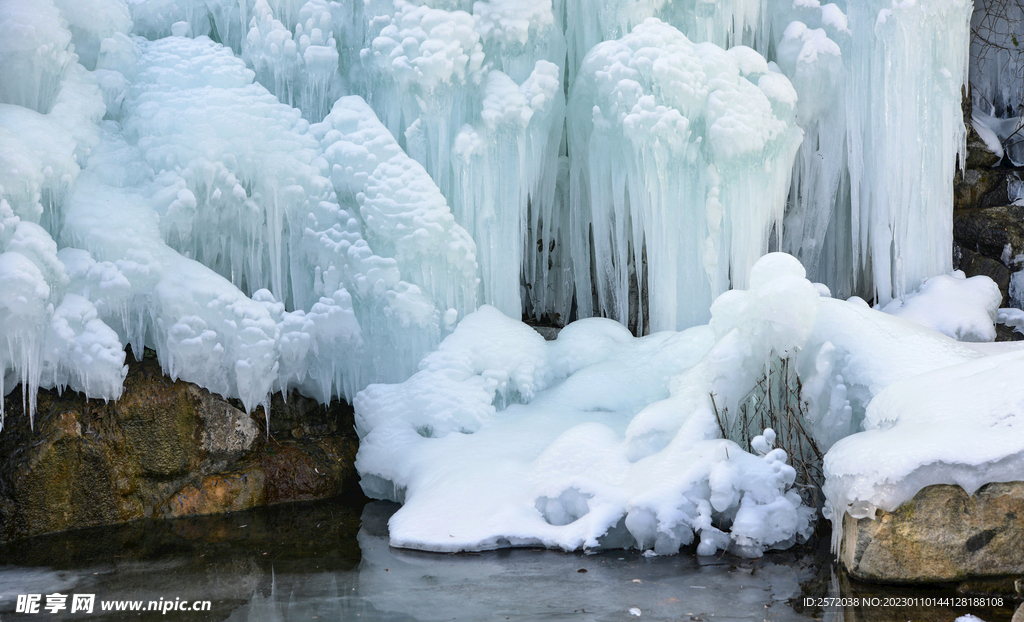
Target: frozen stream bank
[{"x": 327, "y": 560}]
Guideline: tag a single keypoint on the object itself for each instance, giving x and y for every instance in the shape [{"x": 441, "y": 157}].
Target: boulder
[
  {"x": 165, "y": 449},
  {"x": 942, "y": 535},
  {"x": 979, "y": 187}
]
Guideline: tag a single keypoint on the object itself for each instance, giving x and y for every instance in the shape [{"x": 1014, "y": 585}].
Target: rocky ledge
[
  {"x": 943, "y": 535},
  {"x": 165, "y": 449}
]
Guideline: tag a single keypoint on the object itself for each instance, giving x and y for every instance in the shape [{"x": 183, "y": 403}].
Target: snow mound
[
  {"x": 957, "y": 425},
  {"x": 594, "y": 440},
  {"x": 965, "y": 309}
]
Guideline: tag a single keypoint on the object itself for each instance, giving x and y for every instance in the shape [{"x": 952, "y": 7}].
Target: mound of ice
[
  {"x": 599, "y": 439},
  {"x": 594, "y": 440},
  {"x": 240, "y": 185}
]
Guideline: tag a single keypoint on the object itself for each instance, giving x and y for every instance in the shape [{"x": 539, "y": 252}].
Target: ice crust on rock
[{"x": 953, "y": 425}]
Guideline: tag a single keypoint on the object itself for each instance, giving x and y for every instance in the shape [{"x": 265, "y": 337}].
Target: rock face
[
  {"x": 988, "y": 232},
  {"x": 164, "y": 449},
  {"x": 989, "y": 241},
  {"x": 942, "y": 535}
]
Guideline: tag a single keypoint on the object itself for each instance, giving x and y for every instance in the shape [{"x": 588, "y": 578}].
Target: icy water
[{"x": 331, "y": 561}]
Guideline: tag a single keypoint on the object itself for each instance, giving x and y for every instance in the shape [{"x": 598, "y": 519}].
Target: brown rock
[
  {"x": 227, "y": 432},
  {"x": 166, "y": 448},
  {"x": 1018, "y": 616},
  {"x": 979, "y": 187},
  {"x": 941, "y": 535},
  {"x": 220, "y": 492}
]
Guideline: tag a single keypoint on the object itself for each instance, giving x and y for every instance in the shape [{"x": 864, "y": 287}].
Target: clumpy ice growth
[
  {"x": 34, "y": 47},
  {"x": 300, "y": 68},
  {"x": 594, "y": 440},
  {"x": 688, "y": 151},
  {"x": 489, "y": 138},
  {"x": 725, "y": 23},
  {"x": 403, "y": 213},
  {"x": 51, "y": 335},
  {"x": 240, "y": 185}
]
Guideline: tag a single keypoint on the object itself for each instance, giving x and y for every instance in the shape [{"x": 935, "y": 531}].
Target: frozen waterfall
[{"x": 361, "y": 199}]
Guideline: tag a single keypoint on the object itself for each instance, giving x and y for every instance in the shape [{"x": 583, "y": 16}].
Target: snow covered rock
[
  {"x": 942, "y": 535},
  {"x": 964, "y": 309}
]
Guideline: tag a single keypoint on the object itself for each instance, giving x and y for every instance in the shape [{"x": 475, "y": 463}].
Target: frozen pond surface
[{"x": 331, "y": 561}]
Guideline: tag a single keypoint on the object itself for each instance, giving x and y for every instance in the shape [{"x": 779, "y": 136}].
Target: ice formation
[
  {"x": 688, "y": 151},
  {"x": 314, "y": 194},
  {"x": 402, "y": 211},
  {"x": 489, "y": 139},
  {"x": 204, "y": 225}
]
